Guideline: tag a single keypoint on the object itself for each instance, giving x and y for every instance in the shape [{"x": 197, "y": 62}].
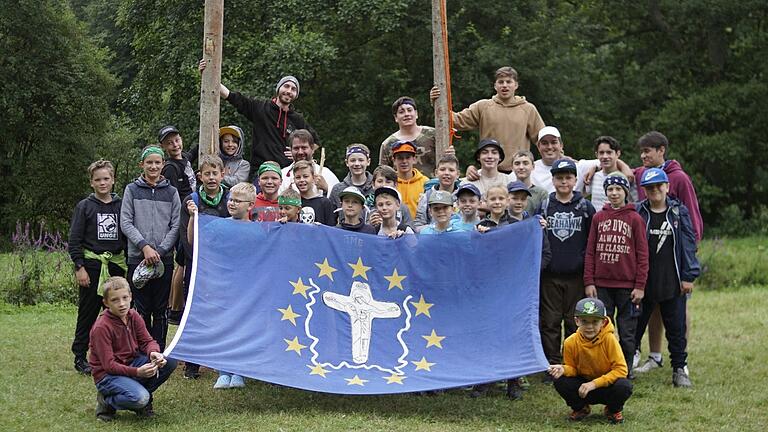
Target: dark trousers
[
  {"x": 151, "y": 302},
  {"x": 557, "y": 301},
  {"x": 618, "y": 307},
  {"x": 612, "y": 396},
  {"x": 673, "y": 317},
  {"x": 89, "y": 305}
]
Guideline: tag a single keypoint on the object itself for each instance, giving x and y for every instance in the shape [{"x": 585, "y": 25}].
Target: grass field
[{"x": 40, "y": 391}]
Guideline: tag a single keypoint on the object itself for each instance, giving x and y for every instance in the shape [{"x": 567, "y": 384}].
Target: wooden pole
[
  {"x": 211, "y": 78},
  {"x": 439, "y": 66}
]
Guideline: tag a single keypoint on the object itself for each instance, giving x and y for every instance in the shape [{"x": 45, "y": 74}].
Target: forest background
[{"x": 88, "y": 79}]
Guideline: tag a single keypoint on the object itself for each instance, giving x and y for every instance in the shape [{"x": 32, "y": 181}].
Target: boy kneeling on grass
[
  {"x": 127, "y": 363},
  {"x": 594, "y": 370}
]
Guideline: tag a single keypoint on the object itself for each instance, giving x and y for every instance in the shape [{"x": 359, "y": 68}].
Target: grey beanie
[{"x": 285, "y": 79}]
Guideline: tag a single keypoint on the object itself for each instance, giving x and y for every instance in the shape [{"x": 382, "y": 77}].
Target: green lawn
[{"x": 39, "y": 390}]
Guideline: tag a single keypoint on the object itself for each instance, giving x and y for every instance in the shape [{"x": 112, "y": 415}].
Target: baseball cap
[
  {"x": 590, "y": 307},
  {"x": 489, "y": 142},
  {"x": 145, "y": 272},
  {"x": 229, "y": 130},
  {"x": 563, "y": 165},
  {"x": 403, "y": 147},
  {"x": 440, "y": 197},
  {"x": 352, "y": 191},
  {"x": 165, "y": 131},
  {"x": 387, "y": 190},
  {"x": 518, "y": 186},
  {"x": 653, "y": 176},
  {"x": 468, "y": 187},
  {"x": 548, "y": 130}
]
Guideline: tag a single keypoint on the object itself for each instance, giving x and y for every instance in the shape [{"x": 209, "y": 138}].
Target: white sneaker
[
  {"x": 636, "y": 359},
  {"x": 649, "y": 365}
]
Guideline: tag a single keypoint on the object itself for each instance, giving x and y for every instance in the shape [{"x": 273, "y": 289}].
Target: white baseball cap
[{"x": 548, "y": 130}]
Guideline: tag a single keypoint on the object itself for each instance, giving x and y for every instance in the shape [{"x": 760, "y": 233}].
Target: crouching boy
[
  {"x": 127, "y": 363},
  {"x": 594, "y": 370}
]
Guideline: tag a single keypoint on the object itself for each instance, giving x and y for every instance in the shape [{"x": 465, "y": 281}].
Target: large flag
[{"x": 328, "y": 310}]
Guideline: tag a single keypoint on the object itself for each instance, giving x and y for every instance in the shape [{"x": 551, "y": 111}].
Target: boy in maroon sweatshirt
[
  {"x": 616, "y": 261},
  {"x": 126, "y": 363}
]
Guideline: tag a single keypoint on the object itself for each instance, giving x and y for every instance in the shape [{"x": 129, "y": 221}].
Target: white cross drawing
[{"x": 362, "y": 309}]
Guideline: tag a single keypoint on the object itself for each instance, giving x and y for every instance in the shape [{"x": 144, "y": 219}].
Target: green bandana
[
  {"x": 266, "y": 166},
  {"x": 151, "y": 150},
  {"x": 296, "y": 202},
  {"x": 213, "y": 202}
]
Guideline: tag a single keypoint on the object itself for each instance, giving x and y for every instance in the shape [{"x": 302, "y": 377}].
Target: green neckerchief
[
  {"x": 216, "y": 199},
  {"x": 105, "y": 259}
]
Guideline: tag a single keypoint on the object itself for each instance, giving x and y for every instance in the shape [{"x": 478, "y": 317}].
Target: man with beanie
[{"x": 273, "y": 119}]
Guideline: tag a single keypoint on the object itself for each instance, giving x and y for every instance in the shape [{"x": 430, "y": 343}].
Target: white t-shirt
[
  {"x": 483, "y": 184},
  {"x": 542, "y": 178},
  {"x": 598, "y": 191},
  {"x": 328, "y": 175}
]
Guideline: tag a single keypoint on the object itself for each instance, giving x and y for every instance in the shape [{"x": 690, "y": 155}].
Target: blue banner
[{"x": 328, "y": 310}]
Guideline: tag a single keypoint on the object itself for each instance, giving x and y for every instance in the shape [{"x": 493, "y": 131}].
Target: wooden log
[{"x": 211, "y": 78}]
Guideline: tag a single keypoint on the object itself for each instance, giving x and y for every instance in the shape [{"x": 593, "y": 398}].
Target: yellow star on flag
[
  {"x": 294, "y": 345},
  {"x": 325, "y": 269},
  {"x": 317, "y": 370},
  {"x": 423, "y": 364},
  {"x": 289, "y": 314},
  {"x": 395, "y": 280},
  {"x": 434, "y": 340},
  {"x": 422, "y": 307},
  {"x": 359, "y": 269},
  {"x": 395, "y": 379},
  {"x": 299, "y": 288},
  {"x": 355, "y": 381}
]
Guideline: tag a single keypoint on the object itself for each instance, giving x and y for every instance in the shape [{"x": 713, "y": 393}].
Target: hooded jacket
[
  {"x": 617, "y": 249},
  {"x": 600, "y": 359},
  {"x": 411, "y": 189},
  {"x": 568, "y": 226},
  {"x": 423, "y": 218},
  {"x": 680, "y": 187},
  {"x": 236, "y": 169},
  {"x": 514, "y": 124},
  {"x": 114, "y": 344},
  {"x": 360, "y": 227},
  {"x": 150, "y": 216},
  {"x": 366, "y": 188},
  {"x": 271, "y": 127},
  {"x": 684, "y": 240},
  {"x": 95, "y": 226},
  {"x": 264, "y": 210}
]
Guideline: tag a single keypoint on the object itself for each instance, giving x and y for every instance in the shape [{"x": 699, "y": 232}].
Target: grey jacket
[
  {"x": 236, "y": 169},
  {"x": 150, "y": 216}
]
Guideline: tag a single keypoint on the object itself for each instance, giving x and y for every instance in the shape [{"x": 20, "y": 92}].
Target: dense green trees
[{"x": 692, "y": 69}]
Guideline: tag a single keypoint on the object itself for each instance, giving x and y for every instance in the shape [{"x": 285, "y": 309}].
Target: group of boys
[{"x": 626, "y": 259}]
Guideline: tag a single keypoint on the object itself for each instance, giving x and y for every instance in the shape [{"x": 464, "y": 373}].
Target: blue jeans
[{"x": 132, "y": 393}]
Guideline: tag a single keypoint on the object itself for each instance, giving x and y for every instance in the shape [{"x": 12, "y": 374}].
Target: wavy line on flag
[{"x": 396, "y": 370}]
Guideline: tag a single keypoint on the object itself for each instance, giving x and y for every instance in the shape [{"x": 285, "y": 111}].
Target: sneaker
[
  {"x": 174, "y": 317},
  {"x": 649, "y": 365},
  {"x": 480, "y": 390},
  {"x": 578, "y": 415},
  {"x": 636, "y": 360},
  {"x": 146, "y": 412},
  {"x": 191, "y": 371},
  {"x": 224, "y": 382},
  {"x": 104, "y": 411},
  {"x": 680, "y": 378},
  {"x": 82, "y": 366},
  {"x": 237, "y": 382},
  {"x": 523, "y": 383},
  {"x": 514, "y": 391},
  {"x": 614, "y": 418}
]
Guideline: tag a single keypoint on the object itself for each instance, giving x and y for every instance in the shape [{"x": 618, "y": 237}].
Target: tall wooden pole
[
  {"x": 211, "y": 78},
  {"x": 440, "y": 67}
]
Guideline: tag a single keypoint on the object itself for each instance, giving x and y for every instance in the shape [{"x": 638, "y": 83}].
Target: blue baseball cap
[
  {"x": 563, "y": 165},
  {"x": 518, "y": 186},
  {"x": 653, "y": 176},
  {"x": 489, "y": 142},
  {"x": 468, "y": 187}
]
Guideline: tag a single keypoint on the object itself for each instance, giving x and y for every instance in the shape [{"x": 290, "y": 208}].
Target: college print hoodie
[
  {"x": 617, "y": 249},
  {"x": 236, "y": 168},
  {"x": 680, "y": 187}
]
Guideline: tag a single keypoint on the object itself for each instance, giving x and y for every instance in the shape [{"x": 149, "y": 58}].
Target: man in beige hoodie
[{"x": 509, "y": 119}]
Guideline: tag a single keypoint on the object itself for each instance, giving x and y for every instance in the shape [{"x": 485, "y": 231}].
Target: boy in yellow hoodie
[
  {"x": 410, "y": 181},
  {"x": 593, "y": 369}
]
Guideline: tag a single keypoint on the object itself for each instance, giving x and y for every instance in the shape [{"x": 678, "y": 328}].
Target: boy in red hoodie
[{"x": 616, "y": 261}]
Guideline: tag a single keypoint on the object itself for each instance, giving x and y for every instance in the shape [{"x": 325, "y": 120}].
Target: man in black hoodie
[
  {"x": 273, "y": 119},
  {"x": 95, "y": 244}
]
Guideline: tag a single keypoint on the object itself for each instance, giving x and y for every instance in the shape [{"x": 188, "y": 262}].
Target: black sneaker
[
  {"x": 174, "y": 317},
  {"x": 480, "y": 390},
  {"x": 191, "y": 371},
  {"x": 82, "y": 366},
  {"x": 104, "y": 411},
  {"x": 147, "y": 412},
  {"x": 514, "y": 390}
]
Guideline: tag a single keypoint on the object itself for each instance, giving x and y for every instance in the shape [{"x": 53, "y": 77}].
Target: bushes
[{"x": 731, "y": 263}]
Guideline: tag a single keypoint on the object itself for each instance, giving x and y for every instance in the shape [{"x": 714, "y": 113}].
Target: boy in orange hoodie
[{"x": 594, "y": 370}]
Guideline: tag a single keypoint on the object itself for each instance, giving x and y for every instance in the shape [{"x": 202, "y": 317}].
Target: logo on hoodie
[
  {"x": 563, "y": 225},
  {"x": 106, "y": 226}
]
